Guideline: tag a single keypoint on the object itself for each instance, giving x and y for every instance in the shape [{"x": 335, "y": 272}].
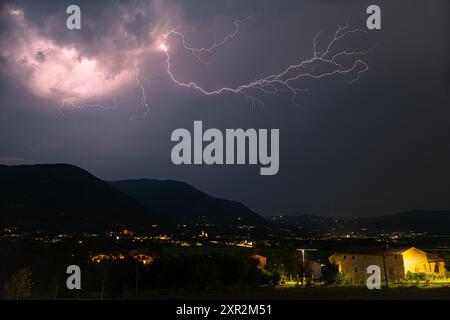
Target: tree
[
  {"x": 331, "y": 274},
  {"x": 54, "y": 285},
  {"x": 18, "y": 286}
]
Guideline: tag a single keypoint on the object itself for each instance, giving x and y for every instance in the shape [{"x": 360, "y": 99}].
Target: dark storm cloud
[{"x": 376, "y": 146}]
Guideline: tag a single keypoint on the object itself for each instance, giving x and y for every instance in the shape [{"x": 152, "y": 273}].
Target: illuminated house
[
  {"x": 101, "y": 257},
  {"x": 314, "y": 268},
  {"x": 143, "y": 256},
  {"x": 140, "y": 255},
  {"x": 397, "y": 263},
  {"x": 105, "y": 256},
  {"x": 437, "y": 265}
]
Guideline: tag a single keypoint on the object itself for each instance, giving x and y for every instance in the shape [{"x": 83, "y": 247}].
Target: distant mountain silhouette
[
  {"x": 431, "y": 221},
  {"x": 62, "y": 196},
  {"x": 435, "y": 222},
  {"x": 316, "y": 224},
  {"x": 65, "y": 197},
  {"x": 182, "y": 203}
]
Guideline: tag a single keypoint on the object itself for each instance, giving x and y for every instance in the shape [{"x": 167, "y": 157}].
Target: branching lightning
[
  {"x": 81, "y": 107},
  {"x": 285, "y": 80},
  {"x": 199, "y": 52},
  {"x": 282, "y": 81},
  {"x": 144, "y": 102}
]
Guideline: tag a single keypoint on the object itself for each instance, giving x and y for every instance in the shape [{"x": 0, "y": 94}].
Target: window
[
  {"x": 356, "y": 270},
  {"x": 353, "y": 257},
  {"x": 345, "y": 257}
]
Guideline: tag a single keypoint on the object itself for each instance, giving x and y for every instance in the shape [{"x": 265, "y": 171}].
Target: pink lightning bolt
[{"x": 276, "y": 82}]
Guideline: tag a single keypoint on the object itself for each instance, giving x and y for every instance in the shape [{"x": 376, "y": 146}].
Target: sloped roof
[
  {"x": 434, "y": 257},
  {"x": 371, "y": 250}
]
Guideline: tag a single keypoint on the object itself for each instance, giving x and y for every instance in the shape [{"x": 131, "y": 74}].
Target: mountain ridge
[
  {"x": 69, "y": 197},
  {"x": 155, "y": 195},
  {"x": 66, "y": 196},
  {"x": 62, "y": 194},
  {"x": 430, "y": 221}
]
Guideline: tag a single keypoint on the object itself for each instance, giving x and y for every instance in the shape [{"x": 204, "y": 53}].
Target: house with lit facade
[
  {"x": 143, "y": 256},
  {"x": 395, "y": 263}
]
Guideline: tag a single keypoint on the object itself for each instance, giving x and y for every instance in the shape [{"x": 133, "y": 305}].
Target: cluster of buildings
[
  {"x": 146, "y": 257},
  {"x": 143, "y": 256},
  {"x": 395, "y": 264}
]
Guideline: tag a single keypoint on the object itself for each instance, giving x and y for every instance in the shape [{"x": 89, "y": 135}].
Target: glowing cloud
[
  {"x": 75, "y": 76},
  {"x": 61, "y": 72}
]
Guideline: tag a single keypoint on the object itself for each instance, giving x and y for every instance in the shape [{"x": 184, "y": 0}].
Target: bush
[
  {"x": 419, "y": 276},
  {"x": 331, "y": 274},
  {"x": 18, "y": 286},
  {"x": 276, "y": 272}
]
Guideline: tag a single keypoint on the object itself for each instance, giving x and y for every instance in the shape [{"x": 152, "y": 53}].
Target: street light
[{"x": 303, "y": 261}]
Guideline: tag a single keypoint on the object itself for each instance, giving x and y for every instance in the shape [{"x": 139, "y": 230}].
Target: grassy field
[
  {"x": 431, "y": 292},
  {"x": 438, "y": 292}
]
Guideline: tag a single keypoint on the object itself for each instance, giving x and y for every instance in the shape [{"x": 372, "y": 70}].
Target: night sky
[{"x": 375, "y": 146}]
